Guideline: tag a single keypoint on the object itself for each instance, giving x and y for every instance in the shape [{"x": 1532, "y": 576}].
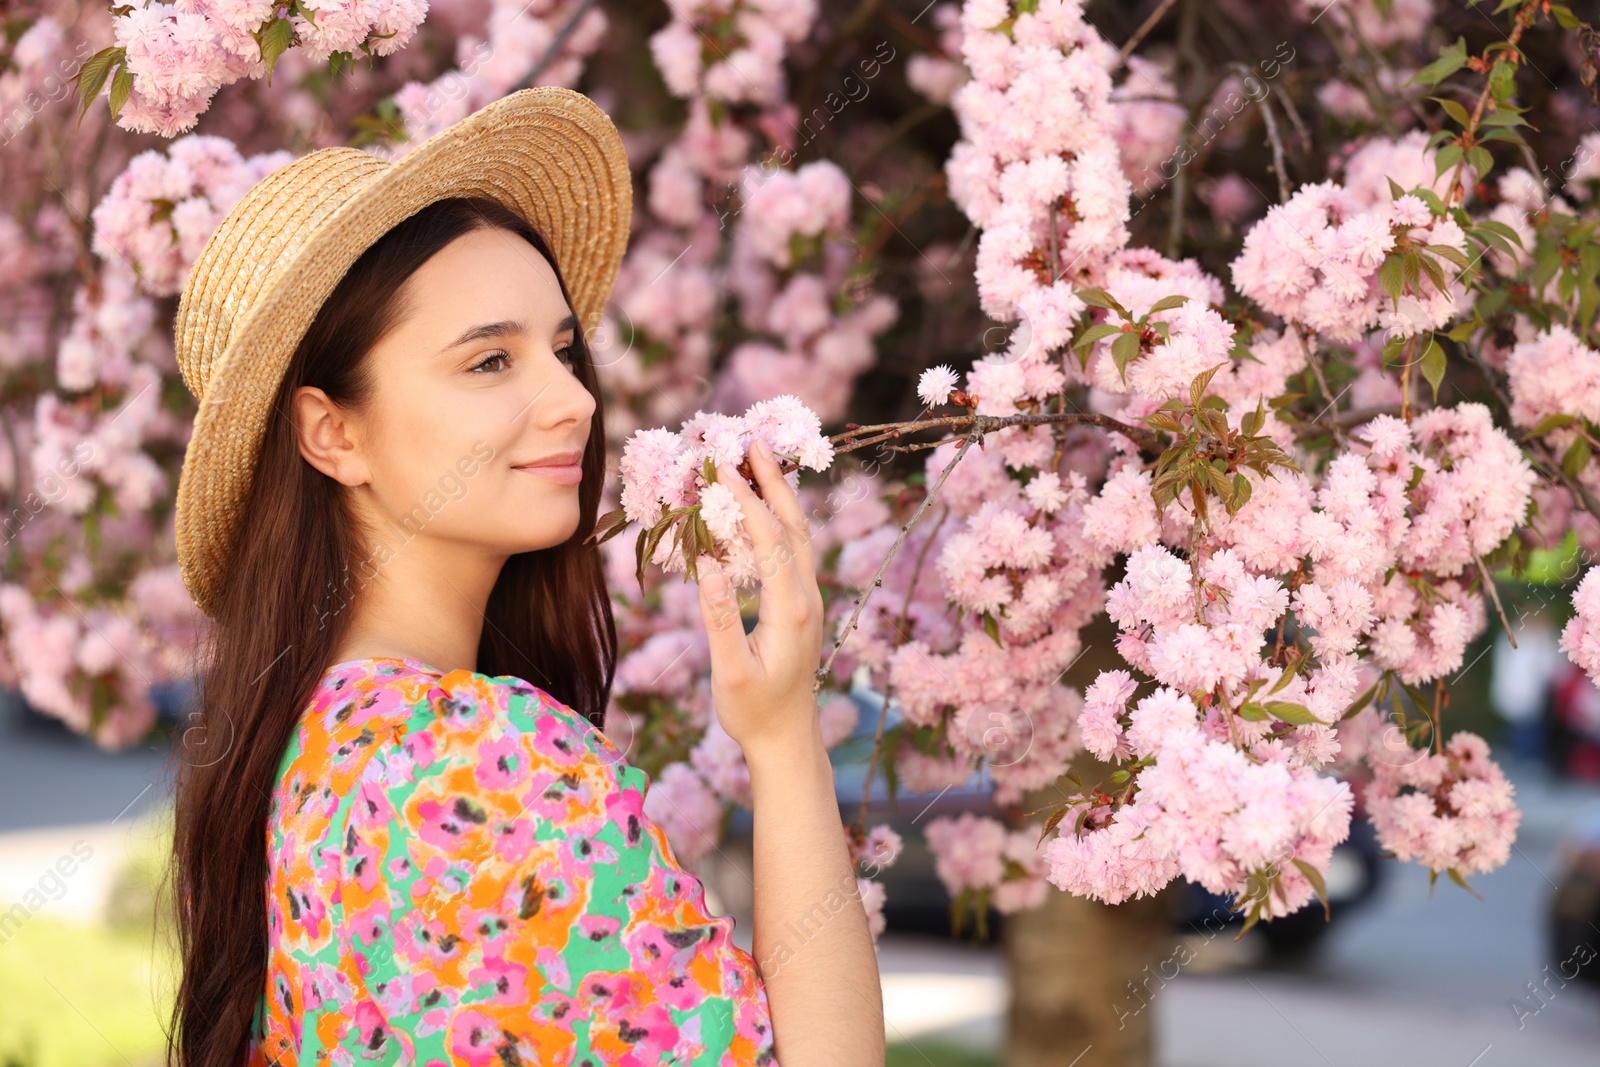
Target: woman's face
[{"x": 471, "y": 388}]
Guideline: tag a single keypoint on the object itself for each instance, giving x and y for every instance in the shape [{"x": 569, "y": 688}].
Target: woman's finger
[
  {"x": 719, "y": 607},
  {"x": 775, "y": 556},
  {"x": 781, "y": 497}
]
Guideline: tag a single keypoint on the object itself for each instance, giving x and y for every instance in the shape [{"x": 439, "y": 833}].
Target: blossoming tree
[{"x": 1271, "y": 352}]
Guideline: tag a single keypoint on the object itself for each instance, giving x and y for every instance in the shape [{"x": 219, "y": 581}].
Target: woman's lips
[{"x": 560, "y": 473}]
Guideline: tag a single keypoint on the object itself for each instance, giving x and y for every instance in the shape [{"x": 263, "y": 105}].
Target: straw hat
[{"x": 550, "y": 154}]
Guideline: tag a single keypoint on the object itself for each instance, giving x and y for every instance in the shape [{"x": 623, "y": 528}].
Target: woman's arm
[{"x": 811, "y": 938}]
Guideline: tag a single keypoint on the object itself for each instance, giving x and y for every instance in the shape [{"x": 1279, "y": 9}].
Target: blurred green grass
[
  {"x": 81, "y": 995},
  {"x": 934, "y": 1053},
  {"x": 93, "y": 994}
]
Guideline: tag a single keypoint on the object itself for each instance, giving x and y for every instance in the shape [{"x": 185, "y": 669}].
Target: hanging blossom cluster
[
  {"x": 791, "y": 252},
  {"x": 1237, "y": 820},
  {"x": 664, "y": 471},
  {"x": 1448, "y": 811},
  {"x": 938, "y": 73},
  {"x": 1367, "y": 518},
  {"x": 517, "y": 37},
  {"x": 978, "y": 856},
  {"x": 1315, "y": 261},
  {"x": 1037, "y": 167},
  {"x": 180, "y": 54},
  {"x": 730, "y": 51},
  {"x": 161, "y": 210}
]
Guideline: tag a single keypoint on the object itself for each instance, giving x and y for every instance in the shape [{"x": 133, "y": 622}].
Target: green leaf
[
  {"x": 1360, "y": 702},
  {"x": 1241, "y": 491},
  {"x": 1197, "y": 388},
  {"x": 1454, "y": 110},
  {"x": 1454, "y": 255},
  {"x": 1550, "y": 422},
  {"x": 1167, "y": 303},
  {"x": 1502, "y": 81},
  {"x": 991, "y": 626},
  {"x": 1392, "y": 350},
  {"x": 1389, "y": 277},
  {"x": 1450, "y": 60},
  {"x": 1099, "y": 331},
  {"x": 608, "y": 526},
  {"x": 1479, "y": 159},
  {"x": 1433, "y": 366},
  {"x": 1496, "y": 226},
  {"x": 1446, "y": 158},
  {"x": 1252, "y": 712},
  {"x": 1295, "y": 714},
  {"x": 1314, "y": 876},
  {"x": 1455, "y": 876},
  {"x": 1576, "y": 457},
  {"x": 92, "y": 76},
  {"x": 274, "y": 42},
  {"x": 1096, "y": 297},
  {"x": 121, "y": 86},
  {"x": 1564, "y": 17},
  {"x": 1504, "y": 116},
  {"x": 1123, "y": 351}
]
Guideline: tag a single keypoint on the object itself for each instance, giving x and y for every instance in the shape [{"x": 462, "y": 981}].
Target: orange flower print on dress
[{"x": 461, "y": 872}]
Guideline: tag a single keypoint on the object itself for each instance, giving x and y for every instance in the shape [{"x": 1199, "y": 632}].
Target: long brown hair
[{"x": 284, "y": 611}]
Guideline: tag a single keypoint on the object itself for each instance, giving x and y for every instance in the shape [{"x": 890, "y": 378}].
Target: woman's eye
[
  {"x": 567, "y": 354},
  {"x": 490, "y": 359}
]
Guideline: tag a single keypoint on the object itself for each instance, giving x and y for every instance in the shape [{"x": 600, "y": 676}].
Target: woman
[{"x": 405, "y": 841}]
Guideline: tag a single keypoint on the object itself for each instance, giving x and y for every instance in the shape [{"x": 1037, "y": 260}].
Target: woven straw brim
[{"x": 550, "y": 154}]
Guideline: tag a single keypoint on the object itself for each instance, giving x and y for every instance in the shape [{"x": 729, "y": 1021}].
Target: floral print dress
[{"x": 460, "y": 872}]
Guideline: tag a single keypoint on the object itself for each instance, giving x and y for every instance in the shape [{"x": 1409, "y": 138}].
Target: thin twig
[
  {"x": 1140, "y": 33},
  {"x": 872, "y": 763},
  {"x": 556, "y": 45},
  {"x": 1494, "y": 595},
  {"x": 847, "y": 442},
  {"x": 883, "y": 712},
  {"x": 1344, "y": 420},
  {"x": 1272, "y": 134},
  {"x": 1469, "y": 135},
  {"x": 877, "y": 579},
  {"x": 1322, "y": 383}
]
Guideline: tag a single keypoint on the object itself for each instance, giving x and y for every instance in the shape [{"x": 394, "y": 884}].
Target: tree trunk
[{"x": 1081, "y": 993}]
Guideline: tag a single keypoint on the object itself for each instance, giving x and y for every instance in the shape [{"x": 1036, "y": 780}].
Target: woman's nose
[{"x": 562, "y": 400}]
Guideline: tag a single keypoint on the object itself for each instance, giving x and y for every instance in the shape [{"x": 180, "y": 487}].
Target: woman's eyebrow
[{"x": 503, "y": 328}]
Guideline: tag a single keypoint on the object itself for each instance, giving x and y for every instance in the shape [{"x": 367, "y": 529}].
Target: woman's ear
[{"x": 328, "y": 437}]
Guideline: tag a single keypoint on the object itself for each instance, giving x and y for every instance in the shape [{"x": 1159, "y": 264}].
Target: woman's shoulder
[{"x": 364, "y": 707}]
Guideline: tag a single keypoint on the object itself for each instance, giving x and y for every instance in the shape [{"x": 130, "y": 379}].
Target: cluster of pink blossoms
[
  {"x": 1555, "y": 373},
  {"x": 974, "y": 853},
  {"x": 1362, "y": 521},
  {"x": 730, "y": 49},
  {"x": 181, "y": 53},
  {"x": 1203, "y": 808},
  {"x": 160, "y": 211},
  {"x": 1037, "y": 155},
  {"x": 1580, "y": 638},
  {"x": 662, "y": 470},
  {"x": 1314, "y": 260},
  {"x": 790, "y": 254},
  {"x": 76, "y": 665},
  {"x": 1449, "y": 811},
  {"x": 518, "y": 36}
]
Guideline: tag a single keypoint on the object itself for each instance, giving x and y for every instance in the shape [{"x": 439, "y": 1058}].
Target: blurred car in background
[{"x": 1572, "y": 924}]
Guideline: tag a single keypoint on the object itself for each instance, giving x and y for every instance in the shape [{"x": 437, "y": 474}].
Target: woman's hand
[{"x": 761, "y": 682}]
